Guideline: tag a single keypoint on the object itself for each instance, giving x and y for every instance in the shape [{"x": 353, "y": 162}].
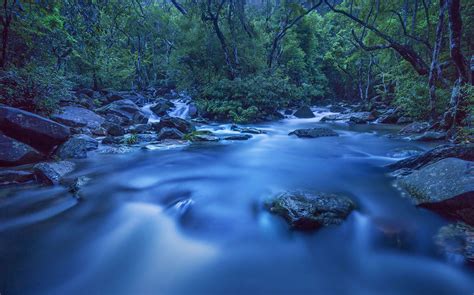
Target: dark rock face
[
  {"x": 125, "y": 109},
  {"x": 140, "y": 128},
  {"x": 446, "y": 187},
  {"x": 174, "y": 122},
  {"x": 389, "y": 117},
  {"x": 78, "y": 117},
  {"x": 162, "y": 107},
  {"x": 457, "y": 240},
  {"x": 304, "y": 112},
  {"x": 52, "y": 173},
  {"x": 314, "y": 132},
  {"x": 415, "y": 128},
  {"x": 41, "y": 133},
  {"x": 238, "y": 137},
  {"x": 8, "y": 177},
  {"x": 170, "y": 133},
  {"x": 309, "y": 211},
  {"x": 77, "y": 147},
  {"x": 248, "y": 130},
  {"x": 431, "y": 136},
  {"x": 115, "y": 130},
  {"x": 464, "y": 152},
  {"x": 404, "y": 120},
  {"x": 14, "y": 153},
  {"x": 362, "y": 117}
]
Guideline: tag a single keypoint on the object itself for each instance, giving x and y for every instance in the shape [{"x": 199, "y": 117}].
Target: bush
[
  {"x": 35, "y": 89},
  {"x": 250, "y": 99}
]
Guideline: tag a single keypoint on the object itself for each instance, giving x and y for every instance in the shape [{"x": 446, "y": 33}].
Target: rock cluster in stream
[{"x": 442, "y": 180}]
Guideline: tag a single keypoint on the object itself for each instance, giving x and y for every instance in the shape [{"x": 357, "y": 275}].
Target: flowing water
[{"x": 191, "y": 220}]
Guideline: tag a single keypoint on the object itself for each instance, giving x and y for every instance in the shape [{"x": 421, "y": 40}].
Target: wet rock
[
  {"x": 125, "y": 109},
  {"x": 8, "y": 177},
  {"x": 182, "y": 125},
  {"x": 162, "y": 107},
  {"x": 77, "y": 185},
  {"x": 101, "y": 131},
  {"x": 113, "y": 140},
  {"x": 362, "y": 117},
  {"x": 391, "y": 116},
  {"x": 140, "y": 128},
  {"x": 51, "y": 173},
  {"x": 430, "y": 136},
  {"x": 309, "y": 211},
  {"x": 201, "y": 136},
  {"x": 238, "y": 137},
  {"x": 248, "y": 130},
  {"x": 463, "y": 151},
  {"x": 77, "y": 147},
  {"x": 78, "y": 117},
  {"x": 404, "y": 120},
  {"x": 170, "y": 133},
  {"x": 114, "y": 119},
  {"x": 446, "y": 187},
  {"x": 304, "y": 112},
  {"x": 14, "y": 153},
  {"x": 193, "y": 110},
  {"x": 314, "y": 132},
  {"x": 41, "y": 133},
  {"x": 115, "y": 130},
  {"x": 415, "y": 128},
  {"x": 456, "y": 242}
]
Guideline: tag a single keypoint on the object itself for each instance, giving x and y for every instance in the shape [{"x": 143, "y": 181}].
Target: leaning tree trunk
[{"x": 433, "y": 77}]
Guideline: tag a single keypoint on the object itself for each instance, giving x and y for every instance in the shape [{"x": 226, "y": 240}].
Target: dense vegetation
[{"x": 243, "y": 60}]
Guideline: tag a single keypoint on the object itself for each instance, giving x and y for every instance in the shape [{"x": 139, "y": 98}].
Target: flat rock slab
[
  {"x": 78, "y": 117},
  {"x": 309, "y": 211},
  {"x": 77, "y": 147},
  {"x": 440, "y": 181},
  {"x": 314, "y": 132}
]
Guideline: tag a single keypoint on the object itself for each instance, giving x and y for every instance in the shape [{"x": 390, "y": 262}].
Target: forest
[{"x": 237, "y": 147}]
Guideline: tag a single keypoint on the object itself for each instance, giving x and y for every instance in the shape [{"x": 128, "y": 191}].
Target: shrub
[{"x": 35, "y": 89}]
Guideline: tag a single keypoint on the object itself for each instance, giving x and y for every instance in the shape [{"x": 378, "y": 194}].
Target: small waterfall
[
  {"x": 181, "y": 109},
  {"x": 152, "y": 117}
]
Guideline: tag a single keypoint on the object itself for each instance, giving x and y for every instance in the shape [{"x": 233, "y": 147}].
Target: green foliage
[
  {"x": 36, "y": 89},
  {"x": 130, "y": 139}
]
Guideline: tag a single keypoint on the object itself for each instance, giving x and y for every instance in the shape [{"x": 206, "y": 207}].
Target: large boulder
[
  {"x": 125, "y": 109},
  {"x": 304, "y": 112},
  {"x": 162, "y": 106},
  {"x": 176, "y": 123},
  {"x": 415, "y": 128},
  {"x": 115, "y": 130},
  {"x": 14, "y": 153},
  {"x": 52, "y": 173},
  {"x": 77, "y": 147},
  {"x": 391, "y": 116},
  {"x": 446, "y": 187},
  {"x": 309, "y": 211},
  {"x": 314, "y": 132},
  {"x": 362, "y": 117},
  {"x": 78, "y": 117},
  {"x": 41, "y": 133},
  {"x": 430, "y": 136},
  {"x": 464, "y": 152}
]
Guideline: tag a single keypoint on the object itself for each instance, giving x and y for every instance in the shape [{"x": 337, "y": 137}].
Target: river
[{"x": 190, "y": 220}]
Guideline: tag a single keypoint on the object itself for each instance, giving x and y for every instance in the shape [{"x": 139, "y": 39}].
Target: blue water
[{"x": 190, "y": 220}]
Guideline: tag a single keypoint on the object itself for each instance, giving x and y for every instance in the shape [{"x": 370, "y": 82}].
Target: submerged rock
[
  {"x": 456, "y": 241},
  {"x": 304, "y": 112},
  {"x": 430, "y": 136},
  {"x": 309, "y": 211},
  {"x": 41, "y": 133},
  {"x": 14, "y": 153},
  {"x": 314, "y": 132},
  {"x": 77, "y": 147},
  {"x": 249, "y": 130},
  {"x": 238, "y": 137},
  {"x": 51, "y": 173}
]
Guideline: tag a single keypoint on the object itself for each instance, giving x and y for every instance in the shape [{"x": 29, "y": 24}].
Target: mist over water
[{"x": 190, "y": 220}]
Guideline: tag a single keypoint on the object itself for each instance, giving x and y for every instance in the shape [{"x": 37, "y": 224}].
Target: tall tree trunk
[
  {"x": 433, "y": 77},
  {"x": 6, "y": 20}
]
